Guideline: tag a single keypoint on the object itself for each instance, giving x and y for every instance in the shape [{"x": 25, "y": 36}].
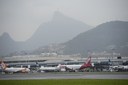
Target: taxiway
[{"x": 26, "y": 76}]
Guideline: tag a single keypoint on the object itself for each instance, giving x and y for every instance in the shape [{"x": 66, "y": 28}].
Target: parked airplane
[
  {"x": 126, "y": 67},
  {"x": 49, "y": 69},
  {"x": 13, "y": 69},
  {"x": 79, "y": 67},
  {"x": 118, "y": 68},
  {"x": 113, "y": 68},
  {"x": 123, "y": 67}
]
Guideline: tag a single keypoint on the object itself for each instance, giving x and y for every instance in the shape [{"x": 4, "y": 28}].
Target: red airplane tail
[
  {"x": 87, "y": 63},
  {"x": 3, "y": 65}
]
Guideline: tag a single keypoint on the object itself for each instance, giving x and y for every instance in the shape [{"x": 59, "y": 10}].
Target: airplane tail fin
[
  {"x": 87, "y": 63},
  {"x": 59, "y": 65},
  {"x": 3, "y": 65}
]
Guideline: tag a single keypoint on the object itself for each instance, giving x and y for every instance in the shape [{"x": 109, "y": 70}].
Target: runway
[{"x": 26, "y": 76}]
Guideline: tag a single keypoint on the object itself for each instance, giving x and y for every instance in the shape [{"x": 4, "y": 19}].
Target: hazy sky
[{"x": 21, "y": 18}]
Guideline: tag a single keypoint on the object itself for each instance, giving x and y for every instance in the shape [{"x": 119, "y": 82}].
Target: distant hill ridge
[
  {"x": 105, "y": 37},
  {"x": 60, "y": 29}
]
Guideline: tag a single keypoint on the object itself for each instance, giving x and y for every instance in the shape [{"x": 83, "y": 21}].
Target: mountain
[
  {"x": 110, "y": 36},
  {"x": 60, "y": 29},
  {"x": 7, "y": 44}
]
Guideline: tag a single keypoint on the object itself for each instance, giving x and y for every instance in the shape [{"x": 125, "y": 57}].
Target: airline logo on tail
[
  {"x": 87, "y": 63},
  {"x": 3, "y": 65}
]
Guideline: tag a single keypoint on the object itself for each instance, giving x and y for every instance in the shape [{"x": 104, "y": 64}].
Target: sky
[{"x": 21, "y": 18}]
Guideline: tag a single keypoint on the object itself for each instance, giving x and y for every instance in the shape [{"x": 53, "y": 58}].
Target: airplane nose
[
  {"x": 28, "y": 70},
  {"x": 92, "y": 64}
]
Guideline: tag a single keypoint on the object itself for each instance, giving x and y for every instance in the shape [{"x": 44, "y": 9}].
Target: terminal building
[{"x": 47, "y": 58}]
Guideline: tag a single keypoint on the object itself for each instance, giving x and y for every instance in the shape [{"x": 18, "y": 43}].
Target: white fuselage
[
  {"x": 73, "y": 67},
  {"x": 12, "y": 69},
  {"x": 126, "y": 67},
  {"x": 122, "y": 67},
  {"x": 114, "y": 67},
  {"x": 42, "y": 68}
]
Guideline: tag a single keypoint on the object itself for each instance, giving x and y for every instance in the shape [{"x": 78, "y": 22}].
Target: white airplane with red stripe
[
  {"x": 13, "y": 69},
  {"x": 78, "y": 67}
]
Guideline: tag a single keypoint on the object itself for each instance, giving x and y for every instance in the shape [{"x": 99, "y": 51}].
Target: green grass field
[{"x": 66, "y": 82}]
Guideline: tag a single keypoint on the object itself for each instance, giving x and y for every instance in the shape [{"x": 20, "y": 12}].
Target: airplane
[
  {"x": 123, "y": 67},
  {"x": 78, "y": 67},
  {"x": 49, "y": 69},
  {"x": 113, "y": 68},
  {"x": 13, "y": 69},
  {"x": 118, "y": 67}
]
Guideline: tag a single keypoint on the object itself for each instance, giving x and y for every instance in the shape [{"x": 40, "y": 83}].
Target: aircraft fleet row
[{"x": 60, "y": 67}]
